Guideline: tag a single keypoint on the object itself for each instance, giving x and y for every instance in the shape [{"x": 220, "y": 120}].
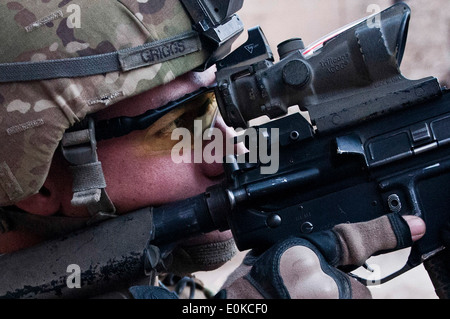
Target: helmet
[{"x": 63, "y": 60}]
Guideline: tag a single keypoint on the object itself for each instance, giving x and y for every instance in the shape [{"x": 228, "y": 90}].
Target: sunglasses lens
[{"x": 187, "y": 116}]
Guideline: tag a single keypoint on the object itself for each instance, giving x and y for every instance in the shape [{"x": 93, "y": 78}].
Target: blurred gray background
[{"x": 427, "y": 54}]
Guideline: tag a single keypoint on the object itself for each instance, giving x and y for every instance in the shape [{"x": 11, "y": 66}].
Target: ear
[{"x": 47, "y": 202}]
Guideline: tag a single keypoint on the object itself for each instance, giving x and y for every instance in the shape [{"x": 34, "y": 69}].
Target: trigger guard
[{"x": 414, "y": 260}]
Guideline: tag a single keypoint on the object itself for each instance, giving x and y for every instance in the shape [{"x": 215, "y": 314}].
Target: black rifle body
[
  {"x": 394, "y": 164},
  {"x": 399, "y": 163}
]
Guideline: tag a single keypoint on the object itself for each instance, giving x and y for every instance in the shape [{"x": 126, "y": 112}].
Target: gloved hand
[{"x": 306, "y": 267}]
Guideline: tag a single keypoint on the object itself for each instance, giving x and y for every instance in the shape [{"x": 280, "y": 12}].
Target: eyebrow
[{"x": 123, "y": 125}]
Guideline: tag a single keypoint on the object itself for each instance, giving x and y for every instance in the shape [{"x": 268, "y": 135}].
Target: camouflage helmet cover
[{"x": 35, "y": 114}]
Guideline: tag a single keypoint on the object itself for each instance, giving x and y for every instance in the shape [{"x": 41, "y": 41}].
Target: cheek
[
  {"x": 17, "y": 240},
  {"x": 136, "y": 179}
]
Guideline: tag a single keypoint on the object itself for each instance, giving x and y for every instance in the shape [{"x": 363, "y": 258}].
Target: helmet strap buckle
[{"x": 79, "y": 148}]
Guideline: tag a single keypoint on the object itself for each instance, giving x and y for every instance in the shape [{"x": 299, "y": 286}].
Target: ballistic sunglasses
[{"x": 197, "y": 103}]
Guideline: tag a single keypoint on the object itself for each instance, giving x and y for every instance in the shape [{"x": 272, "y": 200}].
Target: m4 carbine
[{"x": 376, "y": 143}]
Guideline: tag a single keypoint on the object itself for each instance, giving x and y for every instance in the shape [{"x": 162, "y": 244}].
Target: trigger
[
  {"x": 368, "y": 268},
  {"x": 380, "y": 281}
]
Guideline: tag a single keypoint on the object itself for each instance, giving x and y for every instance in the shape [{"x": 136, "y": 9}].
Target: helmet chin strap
[{"x": 79, "y": 147}]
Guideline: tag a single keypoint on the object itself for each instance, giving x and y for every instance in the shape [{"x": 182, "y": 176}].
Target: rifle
[{"x": 376, "y": 143}]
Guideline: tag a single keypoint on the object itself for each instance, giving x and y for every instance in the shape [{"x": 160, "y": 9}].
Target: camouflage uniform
[{"x": 35, "y": 114}]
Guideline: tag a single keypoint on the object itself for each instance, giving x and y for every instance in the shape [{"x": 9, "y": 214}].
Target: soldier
[{"x": 60, "y": 76}]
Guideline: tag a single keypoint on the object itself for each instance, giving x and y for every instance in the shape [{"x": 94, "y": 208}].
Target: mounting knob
[
  {"x": 296, "y": 74},
  {"x": 289, "y": 46}
]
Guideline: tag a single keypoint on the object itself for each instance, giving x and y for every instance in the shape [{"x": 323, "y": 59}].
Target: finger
[
  {"x": 416, "y": 226},
  {"x": 361, "y": 240},
  {"x": 353, "y": 244}
]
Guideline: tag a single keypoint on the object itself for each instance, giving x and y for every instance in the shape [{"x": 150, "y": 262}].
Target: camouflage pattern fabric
[{"x": 35, "y": 114}]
